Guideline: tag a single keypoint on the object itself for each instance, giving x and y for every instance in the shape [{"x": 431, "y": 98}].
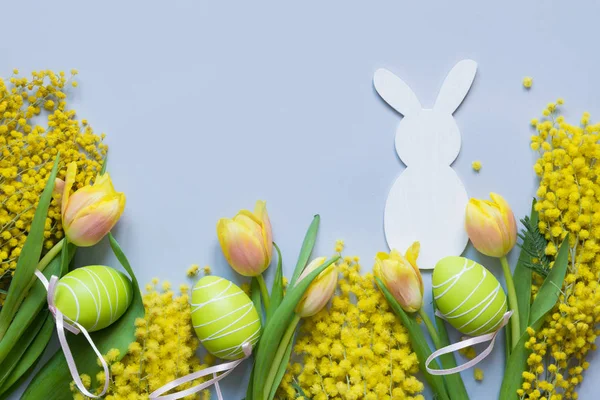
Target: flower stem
[
  {"x": 430, "y": 328},
  {"x": 512, "y": 301},
  {"x": 264, "y": 292},
  {"x": 49, "y": 256},
  {"x": 285, "y": 340}
]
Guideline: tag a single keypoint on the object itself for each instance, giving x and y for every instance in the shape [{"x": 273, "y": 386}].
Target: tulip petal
[
  {"x": 319, "y": 292},
  {"x": 69, "y": 180},
  {"x": 260, "y": 210},
  {"x": 508, "y": 218},
  {"x": 242, "y": 249},
  {"x": 104, "y": 183},
  {"x": 95, "y": 221},
  {"x": 412, "y": 253},
  {"x": 314, "y": 264},
  {"x": 483, "y": 224},
  {"x": 79, "y": 201}
]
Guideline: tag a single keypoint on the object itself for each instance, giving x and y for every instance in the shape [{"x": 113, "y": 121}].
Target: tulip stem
[
  {"x": 512, "y": 301},
  {"x": 430, "y": 328},
  {"x": 48, "y": 257},
  {"x": 285, "y": 340},
  {"x": 263, "y": 291}
]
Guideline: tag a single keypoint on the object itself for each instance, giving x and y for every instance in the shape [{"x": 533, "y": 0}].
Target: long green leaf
[
  {"x": 282, "y": 368},
  {"x": 257, "y": 300},
  {"x": 418, "y": 343},
  {"x": 454, "y": 382},
  {"x": 104, "y": 164},
  {"x": 273, "y": 332},
  {"x": 30, "y": 307},
  {"x": 514, "y": 370},
  {"x": 522, "y": 279},
  {"x": 277, "y": 289},
  {"x": 30, "y": 255},
  {"x": 250, "y": 385},
  {"x": 119, "y": 335},
  {"x": 307, "y": 247},
  {"x": 30, "y": 358},
  {"x": 551, "y": 288},
  {"x": 21, "y": 346},
  {"x": 543, "y": 303}
]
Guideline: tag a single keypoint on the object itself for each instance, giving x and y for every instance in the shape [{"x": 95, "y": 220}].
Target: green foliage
[
  {"x": 543, "y": 303},
  {"x": 534, "y": 245}
]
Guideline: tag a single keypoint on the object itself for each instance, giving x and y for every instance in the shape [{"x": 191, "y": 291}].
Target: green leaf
[
  {"x": 11, "y": 361},
  {"x": 551, "y": 288},
  {"x": 418, "y": 343},
  {"x": 454, "y": 382},
  {"x": 522, "y": 277},
  {"x": 250, "y": 384},
  {"x": 30, "y": 255},
  {"x": 119, "y": 335},
  {"x": 273, "y": 332},
  {"x": 30, "y": 358},
  {"x": 257, "y": 300},
  {"x": 533, "y": 244},
  {"x": 104, "y": 164},
  {"x": 277, "y": 289},
  {"x": 515, "y": 366},
  {"x": 30, "y": 307},
  {"x": 282, "y": 368},
  {"x": 543, "y": 303},
  {"x": 307, "y": 247}
]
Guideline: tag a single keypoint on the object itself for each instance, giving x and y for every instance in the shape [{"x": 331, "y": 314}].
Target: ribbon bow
[
  {"x": 226, "y": 369},
  {"x": 491, "y": 337},
  {"x": 64, "y": 323}
]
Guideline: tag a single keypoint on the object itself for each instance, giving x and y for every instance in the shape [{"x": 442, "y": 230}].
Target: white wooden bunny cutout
[{"x": 428, "y": 200}]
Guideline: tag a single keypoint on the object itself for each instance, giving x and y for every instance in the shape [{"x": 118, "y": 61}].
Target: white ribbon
[
  {"x": 226, "y": 368},
  {"x": 64, "y": 323},
  {"x": 489, "y": 337}
]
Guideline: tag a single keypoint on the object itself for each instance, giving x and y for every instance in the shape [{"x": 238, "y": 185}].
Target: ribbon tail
[
  {"x": 226, "y": 369},
  {"x": 60, "y": 330},
  {"x": 491, "y": 337}
]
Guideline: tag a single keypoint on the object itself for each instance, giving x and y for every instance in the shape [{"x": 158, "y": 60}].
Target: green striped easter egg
[
  {"x": 224, "y": 317},
  {"x": 468, "y": 295},
  {"x": 95, "y": 296}
]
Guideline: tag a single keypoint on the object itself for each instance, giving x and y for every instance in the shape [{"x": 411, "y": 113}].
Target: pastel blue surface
[{"x": 209, "y": 106}]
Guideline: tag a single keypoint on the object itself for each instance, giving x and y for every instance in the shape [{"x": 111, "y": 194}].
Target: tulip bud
[
  {"x": 491, "y": 226},
  {"x": 92, "y": 211},
  {"x": 247, "y": 240},
  {"x": 320, "y": 290},
  {"x": 401, "y": 276}
]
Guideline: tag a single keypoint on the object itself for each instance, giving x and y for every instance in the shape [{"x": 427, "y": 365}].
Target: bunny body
[{"x": 427, "y": 201}]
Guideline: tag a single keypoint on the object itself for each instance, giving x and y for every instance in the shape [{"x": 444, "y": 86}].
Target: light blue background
[{"x": 209, "y": 106}]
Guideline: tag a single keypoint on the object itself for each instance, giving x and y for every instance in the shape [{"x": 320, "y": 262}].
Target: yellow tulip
[
  {"x": 401, "y": 275},
  {"x": 92, "y": 211},
  {"x": 320, "y": 290},
  {"x": 491, "y": 226},
  {"x": 247, "y": 240}
]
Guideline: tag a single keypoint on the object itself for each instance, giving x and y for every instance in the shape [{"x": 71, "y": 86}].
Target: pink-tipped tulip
[
  {"x": 320, "y": 290},
  {"x": 401, "y": 276},
  {"x": 491, "y": 226},
  {"x": 247, "y": 240},
  {"x": 92, "y": 211}
]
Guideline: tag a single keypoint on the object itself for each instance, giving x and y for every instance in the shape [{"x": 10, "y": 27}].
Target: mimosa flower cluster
[
  {"x": 568, "y": 203},
  {"x": 35, "y": 124},
  {"x": 164, "y": 350},
  {"x": 355, "y": 349}
]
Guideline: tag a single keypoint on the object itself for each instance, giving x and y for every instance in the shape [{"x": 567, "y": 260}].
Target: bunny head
[{"x": 427, "y": 135}]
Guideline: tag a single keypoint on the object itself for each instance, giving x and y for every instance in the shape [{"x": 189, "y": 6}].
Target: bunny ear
[
  {"x": 396, "y": 92},
  {"x": 456, "y": 86}
]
